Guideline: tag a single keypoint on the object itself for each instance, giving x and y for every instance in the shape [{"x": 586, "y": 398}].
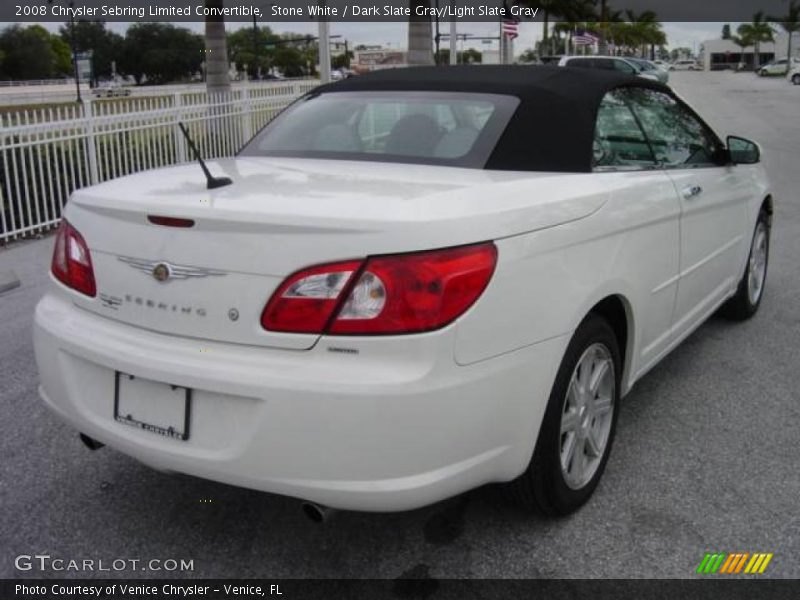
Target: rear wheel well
[
  {"x": 612, "y": 309},
  {"x": 766, "y": 206}
]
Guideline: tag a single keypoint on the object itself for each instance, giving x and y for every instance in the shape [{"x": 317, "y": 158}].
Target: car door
[
  {"x": 713, "y": 196},
  {"x": 646, "y": 209}
]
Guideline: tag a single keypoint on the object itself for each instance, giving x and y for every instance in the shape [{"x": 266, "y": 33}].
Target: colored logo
[
  {"x": 161, "y": 272},
  {"x": 731, "y": 564}
]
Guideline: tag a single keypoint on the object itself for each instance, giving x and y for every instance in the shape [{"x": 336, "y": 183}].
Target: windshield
[{"x": 442, "y": 128}]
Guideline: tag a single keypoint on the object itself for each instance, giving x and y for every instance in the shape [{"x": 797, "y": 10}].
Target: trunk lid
[{"x": 281, "y": 215}]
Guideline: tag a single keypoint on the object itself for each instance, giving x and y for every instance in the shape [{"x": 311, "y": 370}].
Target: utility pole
[
  {"x": 324, "y": 50},
  {"x": 453, "y": 37}
]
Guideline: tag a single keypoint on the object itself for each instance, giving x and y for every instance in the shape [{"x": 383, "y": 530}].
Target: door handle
[{"x": 690, "y": 191}]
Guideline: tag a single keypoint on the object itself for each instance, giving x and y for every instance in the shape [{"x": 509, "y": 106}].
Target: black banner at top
[{"x": 266, "y": 11}]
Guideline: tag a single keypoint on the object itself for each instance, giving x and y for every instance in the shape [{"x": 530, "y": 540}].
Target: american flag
[
  {"x": 584, "y": 38},
  {"x": 510, "y": 23},
  {"x": 511, "y": 28}
]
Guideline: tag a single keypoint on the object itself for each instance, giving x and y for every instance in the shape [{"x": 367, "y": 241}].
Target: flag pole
[
  {"x": 453, "y": 37},
  {"x": 502, "y": 49}
]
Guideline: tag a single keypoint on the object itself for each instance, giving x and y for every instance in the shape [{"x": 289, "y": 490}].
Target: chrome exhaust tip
[
  {"x": 317, "y": 513},
  {"x": 90, "y": 443}
]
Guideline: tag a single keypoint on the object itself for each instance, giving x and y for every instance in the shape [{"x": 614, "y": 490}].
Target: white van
[{"x": 685, "y": 65}]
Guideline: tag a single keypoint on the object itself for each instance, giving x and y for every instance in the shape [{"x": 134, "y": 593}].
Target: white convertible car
[{"x": 417, "y": 282}]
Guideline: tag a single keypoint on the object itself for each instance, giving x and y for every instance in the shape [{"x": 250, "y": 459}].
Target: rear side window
[
  {"x": 618, "y": 138},
  {"x": 414, "y": 127}
]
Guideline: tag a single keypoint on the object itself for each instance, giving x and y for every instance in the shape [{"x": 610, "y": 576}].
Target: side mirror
[{"x": 743, "y": 151}]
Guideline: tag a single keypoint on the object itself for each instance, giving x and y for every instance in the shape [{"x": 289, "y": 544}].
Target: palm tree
[
  {"x": 645, "y": 31},
  {"x": 576, "y": 15},
  {"x": 743, "y": 42},
  {"x": 217, "y": 78},
  {"x": 758, "y": 31},
  {"x": 609, "y": 27},
  {"x": 790, "y": 23},
  {"x": 420, "y": 36},
  {"x": 550, "y": 8}
]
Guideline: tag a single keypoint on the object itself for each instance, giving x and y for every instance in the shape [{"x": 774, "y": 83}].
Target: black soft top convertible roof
[{"x": 553, "y": 127}]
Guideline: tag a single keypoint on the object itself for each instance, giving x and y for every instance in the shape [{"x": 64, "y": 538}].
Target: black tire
[
  {"x": 796, "y": 79},
  {"x": 740, "y": 306},
  {"x": 542, "y": 486}
]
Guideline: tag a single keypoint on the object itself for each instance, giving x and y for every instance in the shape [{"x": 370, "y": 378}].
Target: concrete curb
[{"x": 8, "y": 281}]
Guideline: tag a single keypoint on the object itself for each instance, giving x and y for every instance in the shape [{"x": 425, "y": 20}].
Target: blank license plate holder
[{"x": 160, "y": 408}]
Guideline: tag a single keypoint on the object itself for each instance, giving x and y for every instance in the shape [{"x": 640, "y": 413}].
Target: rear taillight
[
  {"x": 404, "y": 293},
  {"x": 72, "y": 263}
]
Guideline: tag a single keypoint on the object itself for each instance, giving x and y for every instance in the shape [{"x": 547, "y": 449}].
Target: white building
[{"x": 724, "y": 54}]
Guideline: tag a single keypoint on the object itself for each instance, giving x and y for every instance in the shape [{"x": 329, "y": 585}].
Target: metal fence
[{"x": 47, "y": 153}]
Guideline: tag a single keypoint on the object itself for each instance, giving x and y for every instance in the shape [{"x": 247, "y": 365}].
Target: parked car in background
[
  {"x": 777, "y": 67},
  {"x": 338, "y": 74},
  {"x": 794, "y": 76},
  {"x": 608, "y": 63},
  {"x": 110, "y": 89},
  {"x": 662, "y": 64},
  {"x": 650, "y": 67},
  {"x": 409, "y": 284},
  {"x": 685, "y": 65}
]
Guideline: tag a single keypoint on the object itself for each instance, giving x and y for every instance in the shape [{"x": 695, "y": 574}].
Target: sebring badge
[{"x": 164, "y": 271}]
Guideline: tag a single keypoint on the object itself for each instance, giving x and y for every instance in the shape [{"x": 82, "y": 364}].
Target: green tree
[
  {"x": 62, "y": 56},
  {"x": 790, "y": 23},
  {"x": 470, "y": 56},
  {"x": 161, "y": 52},
  {"x": 758, "y": 31},
  {"x": 644, "y": 31},
  {"x": 290, "y": 61},
  {"x": 679, "y": 53},
  {"x": 726, "y": 31},
  {"x": 31, "y": 53},
  {"x": 105, "y": 45},
  {"x": 342, "y": 61},
  {"x": 256, "y": 49}
]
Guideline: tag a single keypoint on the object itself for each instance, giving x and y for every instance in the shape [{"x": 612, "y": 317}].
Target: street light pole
[
  {"x": 255, "y": 47},
  {"x": 437, "y": 35},
  {"x": 74, "y": 48}
]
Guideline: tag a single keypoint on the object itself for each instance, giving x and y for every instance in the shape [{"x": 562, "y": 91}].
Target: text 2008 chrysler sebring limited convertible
[{"x": 418, "y": 282}]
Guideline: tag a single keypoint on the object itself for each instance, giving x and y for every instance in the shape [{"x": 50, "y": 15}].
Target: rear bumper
[{"x": 395, "y": 426}]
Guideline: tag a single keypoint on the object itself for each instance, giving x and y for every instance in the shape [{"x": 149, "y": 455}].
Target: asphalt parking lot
[{"x": 705, "y": 459}]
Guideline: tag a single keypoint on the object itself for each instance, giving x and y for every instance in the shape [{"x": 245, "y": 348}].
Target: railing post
[
  {"x": 180, "y": 142},
  {"x": 247, "y": 114},
  {"x": 91, "y": 145}
]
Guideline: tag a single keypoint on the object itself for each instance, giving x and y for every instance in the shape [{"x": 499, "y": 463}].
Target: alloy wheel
[
  {"x": 587, "y": 416},
  {"x": 757, "y": 267}
]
